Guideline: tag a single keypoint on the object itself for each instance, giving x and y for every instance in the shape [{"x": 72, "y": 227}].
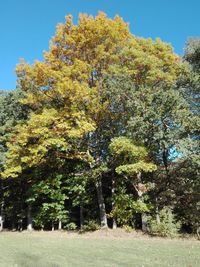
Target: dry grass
[{"x": 109, "y": 248}]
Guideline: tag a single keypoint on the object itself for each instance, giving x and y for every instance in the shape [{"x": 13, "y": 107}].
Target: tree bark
[
  {"x": 59, "y": 225},
  {"x": 114, "y": 222},
  {"x": 157, "y": 212},
  {"x": 1, "y": 223},
  {"x": 140, "y": 193},
  {"x": 198, "y": 233},
  {"x": 13, "y": 226},
  {"x": 19, "y": 225},
  {"x": 1, "y": 216},
  {"x": 144, "y": 222},
  {"x": 29, "y": 219},
  {"x": 81, "y": 217},
  {"x": 102, "y": 209}
]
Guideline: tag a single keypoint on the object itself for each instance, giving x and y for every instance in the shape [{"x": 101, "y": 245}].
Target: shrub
[
  {"x": 71, "y": 226},
  {"x": 167, "y": 226},
  {"x": 127, "y": 228},
  {"x": 91, "y": 225}
]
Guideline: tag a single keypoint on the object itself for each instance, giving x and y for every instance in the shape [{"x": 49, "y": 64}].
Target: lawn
[{"x": 62, "y": 249}]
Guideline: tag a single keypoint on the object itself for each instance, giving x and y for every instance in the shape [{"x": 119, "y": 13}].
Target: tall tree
[
  {"x": 11, "y": 112},
  {"x": 188, "y": 194},
  {"x": 97, "y": 82}
]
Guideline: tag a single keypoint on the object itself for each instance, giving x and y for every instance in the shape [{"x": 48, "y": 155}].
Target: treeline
[{"x": 103, "y": 133}]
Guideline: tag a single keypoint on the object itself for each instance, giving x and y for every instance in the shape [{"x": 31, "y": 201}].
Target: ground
[{"x": 102, "y": 248}]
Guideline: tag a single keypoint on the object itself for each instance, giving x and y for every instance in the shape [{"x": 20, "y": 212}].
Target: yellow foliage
[{"x": 65, "y": 90}]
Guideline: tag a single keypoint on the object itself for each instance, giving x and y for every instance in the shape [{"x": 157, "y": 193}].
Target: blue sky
[{"x": 27, "y": 25}]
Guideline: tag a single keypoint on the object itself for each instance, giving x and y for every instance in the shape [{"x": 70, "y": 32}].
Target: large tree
[
  {"x": 11, "y": 113},
  {"x": 97, "y": 82}
]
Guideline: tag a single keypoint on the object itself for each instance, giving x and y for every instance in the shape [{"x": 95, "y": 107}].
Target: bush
[
  {"x": 71, "y": 226},
  {"x": 167, "y": 226},
  {"x": 127, "y": 228},
  {"x": 91, "y": 225}
]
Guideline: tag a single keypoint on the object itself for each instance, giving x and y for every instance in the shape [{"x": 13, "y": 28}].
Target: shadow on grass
[{"x": 31, "y": 260}]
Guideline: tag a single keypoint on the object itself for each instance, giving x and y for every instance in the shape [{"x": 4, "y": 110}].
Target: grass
[{"x": 62, "y": 249}]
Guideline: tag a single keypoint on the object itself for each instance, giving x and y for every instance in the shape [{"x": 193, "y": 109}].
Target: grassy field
[{"x": 62, "y": 249}]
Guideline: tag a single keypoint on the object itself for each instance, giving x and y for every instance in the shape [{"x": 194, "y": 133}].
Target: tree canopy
[{"x": 101, "y": 132}]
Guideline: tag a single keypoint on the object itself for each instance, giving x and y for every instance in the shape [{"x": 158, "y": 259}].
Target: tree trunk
[
  {"x": 1, "y": 223},
  {"x": 102, "y": 209},
  {"x": 13, "y": 226},
  {"x": 144, "y": 222},
  {"x": 59, "y": 225},
  {"x": 29, "y": 219},
  {"x": 198, "y": 233},
  {"x": 52, "y": 227},
  {"x": 1, "y": 217},
  {"x": 81, "y": 217},
  {"x": 19, "y": 225},
  {"x": 140, "y": 193},
  {"x": 114, "y": 222},
  {"x": 157, "y": 212}
]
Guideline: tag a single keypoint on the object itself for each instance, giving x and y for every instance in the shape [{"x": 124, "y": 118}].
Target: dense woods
[{"x": 104, "y": 132}]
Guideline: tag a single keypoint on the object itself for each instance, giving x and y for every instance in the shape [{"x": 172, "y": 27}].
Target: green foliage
[
  {"x": 124, "y": 151},
  {"x": 91, "y": 225},
  {"x": 11, "y": 113},
  {"x": 130, "y": 161},
  {"x": 126, "y": 207},
  {"x": 127, "y": 228},
  {"x": 52, "y": 194},
  {"x": 50, "y": 213},
  {"x": 192, "y": 53},
  {"x": 70, "y": 226},
  {"x": 106, "y": 119},
  {"x": 167, "y": 227},
  {"x": 123, "y": 147},
  {"x": 131, "y": 169}
]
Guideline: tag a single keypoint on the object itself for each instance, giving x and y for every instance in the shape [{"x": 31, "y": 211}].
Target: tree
[
  {"x": 11, "y": 112},
  {"x": 52, "y": 211},
  {"x": 188, "y": 193},
  {"x": 130, "y": 161},
  {"x": 98, "y": 82}
]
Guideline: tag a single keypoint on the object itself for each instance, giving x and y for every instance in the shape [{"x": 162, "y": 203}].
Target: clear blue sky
[{"x": 28, "y": 25}]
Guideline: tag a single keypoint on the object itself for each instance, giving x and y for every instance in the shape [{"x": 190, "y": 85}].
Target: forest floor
[{"x": 105, "y": 248}]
